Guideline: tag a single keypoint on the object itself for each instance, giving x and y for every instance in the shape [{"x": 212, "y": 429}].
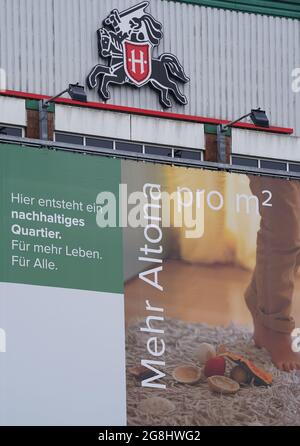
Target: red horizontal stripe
[{"x": 146, "y": 112}]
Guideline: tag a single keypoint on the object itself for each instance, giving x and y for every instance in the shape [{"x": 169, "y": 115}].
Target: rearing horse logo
[{"x": 127, "y": 39}]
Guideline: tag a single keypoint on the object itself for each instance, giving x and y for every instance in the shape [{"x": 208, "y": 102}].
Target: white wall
[
  {"x": 12, "y": 111},
  {"x": 265, "y": 145},
  {"x": 92, "y": 122},
  {"x": 168, "y": 132},
  {"x": 129, "y": 127}
]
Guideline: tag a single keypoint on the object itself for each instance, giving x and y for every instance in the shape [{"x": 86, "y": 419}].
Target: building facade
[
  {"x": 235, "y": 57},
  {"x": 113, "y": 301}
]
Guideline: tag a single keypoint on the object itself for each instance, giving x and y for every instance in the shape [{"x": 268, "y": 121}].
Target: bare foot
[{"x": 279, "y": 345}]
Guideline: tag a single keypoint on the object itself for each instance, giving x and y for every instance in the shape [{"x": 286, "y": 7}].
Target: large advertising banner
[
  {"x": 146, "y": 294},
  {"x": 212, "y": 298}
]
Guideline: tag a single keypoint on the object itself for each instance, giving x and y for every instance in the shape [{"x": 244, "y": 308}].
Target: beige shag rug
[{"x": 196, "y": 405}]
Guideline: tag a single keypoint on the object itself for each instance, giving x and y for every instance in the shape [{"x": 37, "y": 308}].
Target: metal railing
[{"x": 53, "y": 145}]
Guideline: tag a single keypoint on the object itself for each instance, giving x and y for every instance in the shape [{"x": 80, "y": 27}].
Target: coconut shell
[
  {"x": 222, "y": 384},
  {"x": 187, "y": 374},
  {"x": 240, "y": 375}
]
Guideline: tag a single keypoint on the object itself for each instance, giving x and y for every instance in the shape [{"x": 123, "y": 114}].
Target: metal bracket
[
  {"x": 221, "y": 144},
  {"x": 43, "y": 120}
]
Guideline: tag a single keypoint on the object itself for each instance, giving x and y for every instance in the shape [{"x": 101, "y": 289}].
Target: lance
[
  {"x": 133, "y": 9},
  {"x": 118, "y": 16}
]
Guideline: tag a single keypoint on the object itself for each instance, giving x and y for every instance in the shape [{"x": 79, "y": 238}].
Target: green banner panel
[{"x": 48, "y": 224}]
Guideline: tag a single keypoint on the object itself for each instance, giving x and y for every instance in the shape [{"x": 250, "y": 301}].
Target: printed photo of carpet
[{"x": 196, "y": 405}]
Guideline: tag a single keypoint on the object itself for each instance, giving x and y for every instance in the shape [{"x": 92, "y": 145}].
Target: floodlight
[
  {"x": 259, "y": 119},
  {"x": 76, "y": 92}
]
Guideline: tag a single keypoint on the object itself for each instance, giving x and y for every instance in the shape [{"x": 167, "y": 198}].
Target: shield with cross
[{"x": 137, "y": 61}]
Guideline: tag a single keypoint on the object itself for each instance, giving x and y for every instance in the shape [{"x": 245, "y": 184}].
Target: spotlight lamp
[
  {"x": 76, "y": 92},
  {"x": 257, "y": 116}
]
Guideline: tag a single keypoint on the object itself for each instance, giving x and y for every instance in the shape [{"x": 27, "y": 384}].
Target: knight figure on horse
[{"x": 127, "y": 40}]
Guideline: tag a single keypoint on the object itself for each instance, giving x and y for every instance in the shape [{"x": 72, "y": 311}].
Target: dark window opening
[
  {"x": 11, "y": 131},
  {"x": 294, "y": 167},
  {"x": 100, "y": 143},
  {"x": 69, "y": 139},
  {"x": 274, "y": 165},
  {"x": 247, "y": 162},
  {"x": 187, "y": 154},
  {"x": 160, "y": 151},
  {"x": 129, "y": 147}
]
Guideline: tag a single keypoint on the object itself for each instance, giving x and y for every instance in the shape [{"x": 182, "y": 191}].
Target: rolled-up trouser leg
[{"x": 270, "y": 292}]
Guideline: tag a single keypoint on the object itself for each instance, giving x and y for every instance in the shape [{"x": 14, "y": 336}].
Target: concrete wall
[
  {"x": 129, "y": 127},
  {"x": 265, "y": 145}
]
